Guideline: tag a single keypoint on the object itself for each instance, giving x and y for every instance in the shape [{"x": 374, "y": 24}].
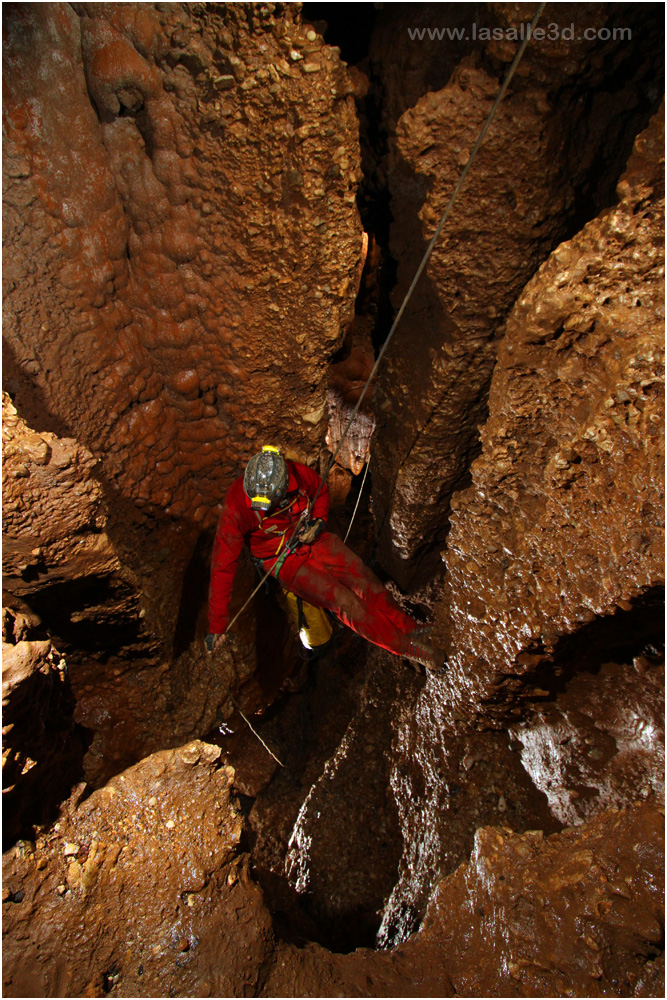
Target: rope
[
  {"x": 254, "y": 731},
  {"x": 418, "y": 274},
  {"x": 356, "y": 506}
]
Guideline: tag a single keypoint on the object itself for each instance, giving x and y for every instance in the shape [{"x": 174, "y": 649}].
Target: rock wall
[
  {"x": 119, "y": 899},
  {"x": 563, "y": 521},
  {"x": 560, "y": 534},
  {"x": 602, "y": 737},
  {"x": 183, "y": 252},
  {"x": 128, "y": 854},
  {"x": 549, "y": 162},
  {"x": 41, "y": 751},
  {"x": 69, "y": 575}
]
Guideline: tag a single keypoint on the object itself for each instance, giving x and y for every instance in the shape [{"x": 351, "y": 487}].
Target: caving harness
[
  {"x": 312, "y": 623},
  {"x": 282, "y": 553}
]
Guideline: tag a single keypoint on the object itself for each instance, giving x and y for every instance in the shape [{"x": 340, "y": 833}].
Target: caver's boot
[{"x": 420, "y": 650}]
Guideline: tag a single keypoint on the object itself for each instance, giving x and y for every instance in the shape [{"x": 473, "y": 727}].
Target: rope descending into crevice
[
  {"x": 254, "y": 731},
  {"x": 434, "y": 238},
  {"x": 427, "y": 254},
  {"x": 356, "y": 506}
]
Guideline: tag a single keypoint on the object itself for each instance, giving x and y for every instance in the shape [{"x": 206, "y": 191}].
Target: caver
[{"x": 279, "y": 509}]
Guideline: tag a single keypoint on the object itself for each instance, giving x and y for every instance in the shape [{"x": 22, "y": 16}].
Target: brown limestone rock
[
  {"x": 41, "y": 755},
  {"x": 344, "y": 871},
  {"x": 563, "y": 522},
  {"x": 536, "y": 177},
  {"x": 55, "y": 513},
  {"x": 139, "y": 888},
  {"x": 446, "y": 788},
  {"x": 557, "y": 546},
  {"x": 578, "y": 914},
  {"x": 601, "y": 743},
  {"x": 182, "y": 252},
  {"x": 181, "y": 235},
  {"x": 119, "y": 896}
]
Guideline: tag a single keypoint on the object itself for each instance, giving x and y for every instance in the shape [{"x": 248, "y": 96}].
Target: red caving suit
[{"x": 325, "y": 573}]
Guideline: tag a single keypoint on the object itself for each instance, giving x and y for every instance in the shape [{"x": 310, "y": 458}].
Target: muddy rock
[
  {"x": 551, "y": 541},
  {"x": 351, "y": 892},
  {"x": 186, "y": 278},
  {"x": 562, "y": 522},
  {"x": 55, "y": 513},
  {"x": 139, "y": 904},
  {"x": 491, "y": 932},
  {"x": 577, "y": 913},
  {"x": 42, "y": 754},
  {"x": 196, "y": 253},
  {"x": 601, "y": 743},
  {"x": 182, "y": 253},
  {"x": 119, "y": 897}
]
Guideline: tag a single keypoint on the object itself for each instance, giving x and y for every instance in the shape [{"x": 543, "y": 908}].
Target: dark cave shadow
[
  {"x": 42, "y": 708},
  {"x": 275, "y": 640},
  {"x": 60, "y": 602},
  {"x": 28, "y": 397},
  {"x": 618, "y": 638},
  {"x": 194, "y": 593}
]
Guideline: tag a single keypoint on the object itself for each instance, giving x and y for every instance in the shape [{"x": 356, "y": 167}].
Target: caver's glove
[
  {"x": 311, "y": 530},
  {"x": 213, "y": 640}
]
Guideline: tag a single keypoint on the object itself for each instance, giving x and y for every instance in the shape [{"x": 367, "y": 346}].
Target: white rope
[
  {"x": 429, "y": 249},
  {"x": 247, "y": 722},
  {"x": 356, "y": 506}
]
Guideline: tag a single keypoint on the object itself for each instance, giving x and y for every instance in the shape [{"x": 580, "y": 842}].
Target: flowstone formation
[
  {"x": 186, "y": 278},
  {"x": 180, "y": 171},
  {"x": 174, "y": 177}
]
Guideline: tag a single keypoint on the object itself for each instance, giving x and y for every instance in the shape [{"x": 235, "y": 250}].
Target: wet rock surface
[
  {"x": 573, "y": 437},
  {"x": 329, "y": 860},
  {"x": 529, "y": 190},
  {"x": 523, "y": 521},
  {"x": 129, "y": 850},
  {"x": 55, "y": 510},
  {"x": 553, "y": 917},
  {"x": 70, "y": 582},
  {"x": 602, "y": 742},
  {"x": 190, "y": 921}
]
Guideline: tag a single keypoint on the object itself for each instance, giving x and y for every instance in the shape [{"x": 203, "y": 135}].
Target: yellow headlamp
[{"x": 259, "y": 503}]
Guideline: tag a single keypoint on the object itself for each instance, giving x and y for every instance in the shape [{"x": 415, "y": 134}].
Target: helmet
[{"x": 266, "y": 477}]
